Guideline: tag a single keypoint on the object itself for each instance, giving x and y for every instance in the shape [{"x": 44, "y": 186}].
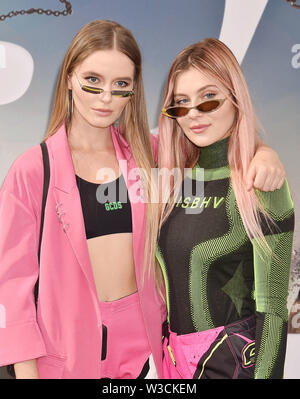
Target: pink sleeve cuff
[{"x": 21, "y": 342}]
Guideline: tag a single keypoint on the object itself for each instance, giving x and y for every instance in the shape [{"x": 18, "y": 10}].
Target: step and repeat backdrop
[{"x": 264, "y": 35}]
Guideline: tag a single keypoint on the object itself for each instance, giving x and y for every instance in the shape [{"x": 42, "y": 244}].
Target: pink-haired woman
[{"x": 224, "y": 250}]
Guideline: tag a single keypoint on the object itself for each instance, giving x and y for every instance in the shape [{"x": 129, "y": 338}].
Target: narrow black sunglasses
[
  {"x": 205, "y": 107},
  {"x": 96, "y": 90}
]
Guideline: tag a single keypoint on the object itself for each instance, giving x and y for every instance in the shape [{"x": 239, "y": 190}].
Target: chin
[
  {"x": 201, "y": 141},
  {"x": 206, "y": 139},
  {"x": 101, "y": 124},
  {"x": 91, "y": 121}
]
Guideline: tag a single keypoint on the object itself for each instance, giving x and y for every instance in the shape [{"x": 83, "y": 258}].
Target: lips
[
  {"x": 102, "y": 111},
  {"x": 199, "y": 128}
]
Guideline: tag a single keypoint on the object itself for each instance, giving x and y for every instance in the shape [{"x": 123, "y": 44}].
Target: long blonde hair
[
  {"x": 214, "y": 59},
  {"x": 105, "y": 35}
]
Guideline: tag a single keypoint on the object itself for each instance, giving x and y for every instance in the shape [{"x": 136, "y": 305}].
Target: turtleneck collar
[{"x": 215, "y": 155}]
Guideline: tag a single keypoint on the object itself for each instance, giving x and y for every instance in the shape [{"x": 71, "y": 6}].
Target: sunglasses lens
[
  {"x": 176, "y": 112},
  {"x": 92, "y": 90},
  {"x": 115, "y": 93},
  {"x": 120, "y": 93},
  {"x": 208, "y": 106}
]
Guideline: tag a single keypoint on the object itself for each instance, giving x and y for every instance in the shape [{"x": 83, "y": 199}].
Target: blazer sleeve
[{"x": 20, "y": 336}]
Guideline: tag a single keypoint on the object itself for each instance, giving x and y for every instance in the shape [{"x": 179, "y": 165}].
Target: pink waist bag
[{"x": 224, "y": 352}]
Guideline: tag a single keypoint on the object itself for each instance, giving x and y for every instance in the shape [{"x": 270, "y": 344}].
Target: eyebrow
[
  {"x": 198, "y": 91},
  {"x": 98, "y": 75}
]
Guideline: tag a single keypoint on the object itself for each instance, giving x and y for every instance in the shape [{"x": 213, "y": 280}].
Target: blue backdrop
[{"x": 265, "y": 35}]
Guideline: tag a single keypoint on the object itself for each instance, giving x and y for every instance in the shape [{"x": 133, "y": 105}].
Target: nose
[
  {"x": 194, "y": 113},
  {"x": 106, "y": 96}
]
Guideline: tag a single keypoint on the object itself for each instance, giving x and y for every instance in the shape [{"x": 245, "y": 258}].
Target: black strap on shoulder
[
  {"x": 44, "y": 199},
  {"x": 10, "y": 368}
]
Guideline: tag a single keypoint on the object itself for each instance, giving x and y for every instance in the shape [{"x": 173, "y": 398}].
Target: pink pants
[{"x": 125, "y": 348}]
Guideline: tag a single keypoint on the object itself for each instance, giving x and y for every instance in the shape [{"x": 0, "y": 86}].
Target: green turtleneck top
[{"x": 214, "y": 275}]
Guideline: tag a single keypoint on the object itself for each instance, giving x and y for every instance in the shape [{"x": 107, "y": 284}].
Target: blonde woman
[
  {"x": 97, "y": 315},
  {"x": 225, "y": 253},
  {"x": 94, "y": 318}
]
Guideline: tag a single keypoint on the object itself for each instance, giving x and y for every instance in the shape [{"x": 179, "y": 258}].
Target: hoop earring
[
  {"x": 117, "y": 124},
  {"x": 132, "y": 111},
  {"x": 71, "y": 104}
]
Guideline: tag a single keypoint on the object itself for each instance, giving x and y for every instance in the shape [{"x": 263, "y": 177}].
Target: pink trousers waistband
[{"x": 110, "y": 307}]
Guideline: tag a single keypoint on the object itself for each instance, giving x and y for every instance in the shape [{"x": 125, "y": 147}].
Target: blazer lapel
[{"x": 68, "y": 204}]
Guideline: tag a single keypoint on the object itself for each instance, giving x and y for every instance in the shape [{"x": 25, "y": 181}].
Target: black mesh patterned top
[{"x": 214, "y": 275}]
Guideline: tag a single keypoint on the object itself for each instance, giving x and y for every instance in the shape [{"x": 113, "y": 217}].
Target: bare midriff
[
  {"x": 111, "y": 255},
  {"x": 113, "y": 265}
]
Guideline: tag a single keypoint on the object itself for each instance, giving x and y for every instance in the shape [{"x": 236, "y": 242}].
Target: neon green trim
[
  {"x": 279, "y": 203},
  {"x": 209, "y": 174},
  {"x": 211, "y": 353},
  {"x": 161, "y": 262},
  {"x": 216, "y": 174},
  {"x": 171, "y": 355},
  {"x": 201, "y": 257},
  {"x": 250, "y": 348}
]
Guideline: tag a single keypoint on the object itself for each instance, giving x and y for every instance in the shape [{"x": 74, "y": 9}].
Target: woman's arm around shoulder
[{"x": 266, "y": 171}]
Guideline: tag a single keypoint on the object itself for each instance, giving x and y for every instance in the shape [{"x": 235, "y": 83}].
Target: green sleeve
[{"x": 271, "y": 280}]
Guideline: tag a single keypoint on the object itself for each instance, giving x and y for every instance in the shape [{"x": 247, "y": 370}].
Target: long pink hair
[{"x": 214, "y": 59}]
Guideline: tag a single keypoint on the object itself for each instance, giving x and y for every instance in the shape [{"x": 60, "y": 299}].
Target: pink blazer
[{"x": 65, "y": 334}]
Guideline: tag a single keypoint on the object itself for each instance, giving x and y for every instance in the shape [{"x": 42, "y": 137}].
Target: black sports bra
[{"x": 106, "y": 207}]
